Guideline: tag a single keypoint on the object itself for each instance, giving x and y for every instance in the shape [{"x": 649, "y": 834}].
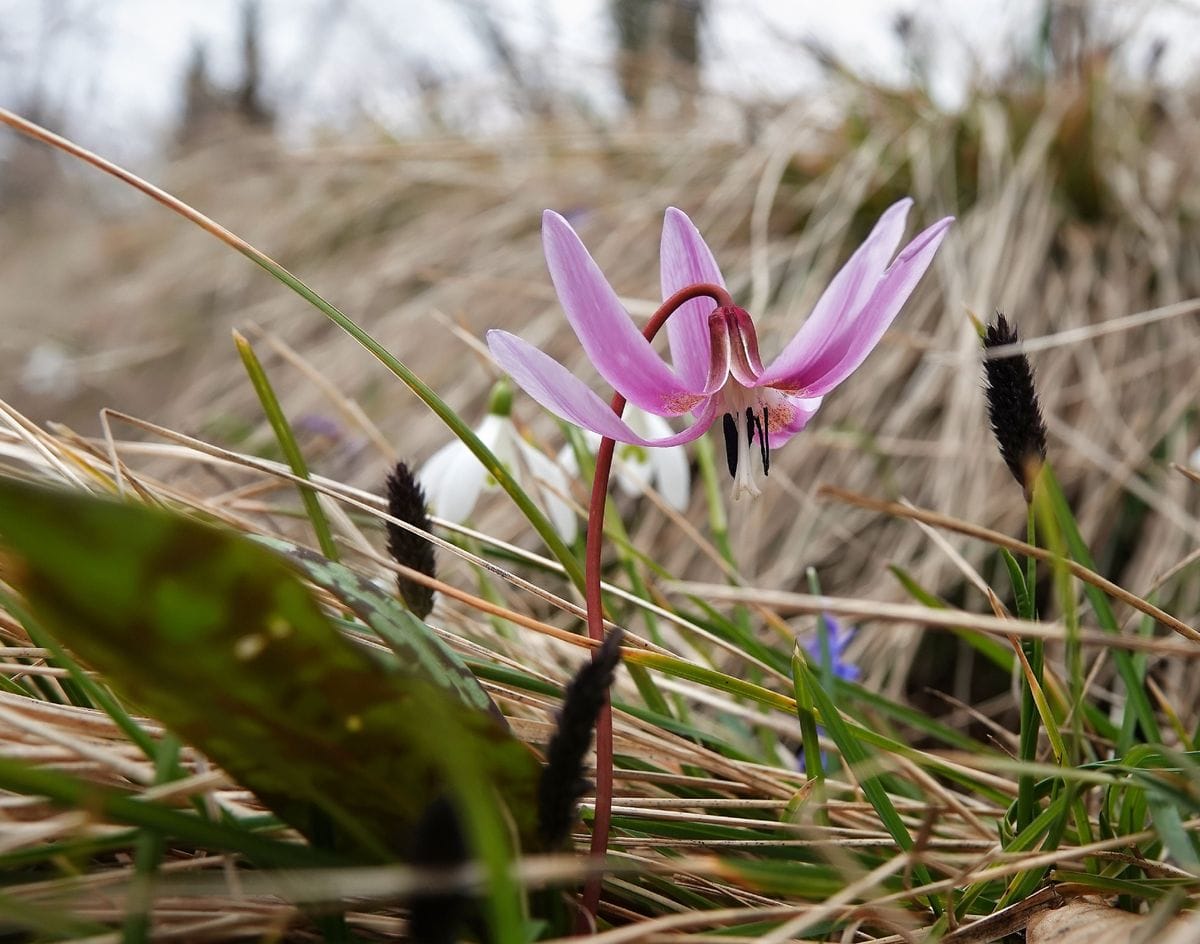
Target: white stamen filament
[
  {"x": 743, "y": 482},
  {"x": 735, "y": 401}
]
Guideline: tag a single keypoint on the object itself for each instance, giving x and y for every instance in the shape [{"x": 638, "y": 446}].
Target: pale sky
[{"x": 115, "y": 65}]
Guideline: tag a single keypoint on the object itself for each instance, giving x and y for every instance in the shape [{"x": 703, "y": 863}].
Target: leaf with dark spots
[
  {"x": 416, "y": 645},
  {"x": 218, "y": 638}
]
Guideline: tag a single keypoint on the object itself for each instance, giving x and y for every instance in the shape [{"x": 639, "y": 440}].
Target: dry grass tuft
[{"x": 1076, "y": 206}]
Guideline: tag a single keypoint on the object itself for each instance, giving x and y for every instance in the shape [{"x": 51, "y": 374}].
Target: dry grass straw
[
  {"x": 419, "y": 234},
  {"x": 86, "y": 743},
  {"x": 422, "y": 241}
]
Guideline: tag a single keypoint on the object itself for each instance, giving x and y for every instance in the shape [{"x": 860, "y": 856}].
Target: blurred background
[{"x": 397, "y": 156}]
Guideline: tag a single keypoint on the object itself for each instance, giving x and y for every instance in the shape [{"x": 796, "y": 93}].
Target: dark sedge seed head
[
  {"x": 562, "y": 782},
  {"x": 406, "y": 501},
  {"x": 439, "y": 842},
  {"x": 1013, "y": 408}
]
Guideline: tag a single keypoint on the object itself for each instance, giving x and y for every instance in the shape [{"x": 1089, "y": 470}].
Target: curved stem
[{"x": 595, "y": 605}]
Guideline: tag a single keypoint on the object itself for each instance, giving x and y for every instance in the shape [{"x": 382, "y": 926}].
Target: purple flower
[
  {"x": 837, "y": 640},
  {"x": 715, "y": 367}
]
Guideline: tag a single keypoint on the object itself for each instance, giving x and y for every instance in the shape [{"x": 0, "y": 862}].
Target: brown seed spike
[
  {"x": 439, "y": 842},
  {"x": 406, "y": 501},
  {"x": 562, "y": 782},
  {"x": 1013, "y": 407}
]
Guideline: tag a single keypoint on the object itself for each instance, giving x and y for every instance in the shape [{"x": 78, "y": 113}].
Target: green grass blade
[
  {"x": 1135, "y": 691},
  {"x": 151, "y": 846},
  {"x": 96, "y": 694},
  {"x": 855, "y": 754},
  {"x": 540, "y": 523},
  {"x": 987, "y": 646},
  {"x": 65, "y": 790},
  {"x": 287, "y": 442}
]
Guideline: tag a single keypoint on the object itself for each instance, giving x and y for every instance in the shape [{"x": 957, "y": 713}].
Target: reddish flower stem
[{"x": 595, "y": 605}]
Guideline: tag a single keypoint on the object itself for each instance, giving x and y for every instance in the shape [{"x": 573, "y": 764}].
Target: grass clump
[{"x": 940, "y": 814}]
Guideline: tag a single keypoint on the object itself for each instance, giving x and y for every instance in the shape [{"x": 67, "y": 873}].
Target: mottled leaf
[
  {"x": 218, "y": 638},
  {"x": 413, "y": 642}
]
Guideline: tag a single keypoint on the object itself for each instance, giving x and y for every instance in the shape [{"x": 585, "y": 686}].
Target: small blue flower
[
  {"x": 833, "y": 638},
  {"x": 828, "y": 651}
]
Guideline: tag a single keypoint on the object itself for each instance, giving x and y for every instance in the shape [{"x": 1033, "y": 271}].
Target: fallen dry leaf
[{"x": 1091, "y": 921}]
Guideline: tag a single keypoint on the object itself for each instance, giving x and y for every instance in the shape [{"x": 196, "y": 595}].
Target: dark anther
[
  {"x": 763, "y": 446},
  {"x": 749, "y": 426},
  {"x": 731, "y": 444}
]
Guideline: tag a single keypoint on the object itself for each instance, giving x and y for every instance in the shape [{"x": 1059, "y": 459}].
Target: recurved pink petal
[
  {"x": 845, "y": 296},
  {"x": 609, "y": 337},
  {"x": 825, "y": 367},
  {"x": 879, "y": 312},
  {"x": 568, "y": 397},
  {"x": 685, "y": 260}
]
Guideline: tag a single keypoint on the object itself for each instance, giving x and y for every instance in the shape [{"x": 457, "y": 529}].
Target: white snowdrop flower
[
  {"x": 453, "y": 477},
  {"x": 50, "y": 371},
  {"x": 636, "y": 467}
]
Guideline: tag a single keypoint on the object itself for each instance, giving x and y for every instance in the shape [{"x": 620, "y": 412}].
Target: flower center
[
  {"x": 733, "y": 373},
  {"x": 740, "y": 431}
]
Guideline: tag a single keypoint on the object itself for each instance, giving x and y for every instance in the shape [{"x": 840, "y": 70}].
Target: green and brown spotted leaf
[
  {"x": 414, "y": 643},
  {"x": 218, "y": 638}
]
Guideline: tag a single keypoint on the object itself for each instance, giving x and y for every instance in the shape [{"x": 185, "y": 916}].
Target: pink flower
[{"x": 715, "y": 367}]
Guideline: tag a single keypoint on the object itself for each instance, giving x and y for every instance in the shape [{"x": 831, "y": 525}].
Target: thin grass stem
[{"x": 287, "y": 442}]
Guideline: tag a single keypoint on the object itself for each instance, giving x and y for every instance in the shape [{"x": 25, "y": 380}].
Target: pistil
[{"x": 737, "y": 448}]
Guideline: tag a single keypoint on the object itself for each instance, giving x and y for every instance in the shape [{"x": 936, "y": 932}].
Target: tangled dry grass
[
  {"x": 1076, "y": 206},
  {"x": 428, "y": 243}
]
